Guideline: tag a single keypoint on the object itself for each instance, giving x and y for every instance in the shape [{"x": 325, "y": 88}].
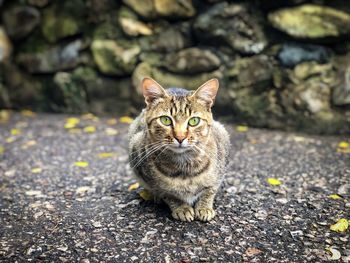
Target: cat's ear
[
  {"x": 207, "y": 92},
  {"x": 152, "y": 91}
]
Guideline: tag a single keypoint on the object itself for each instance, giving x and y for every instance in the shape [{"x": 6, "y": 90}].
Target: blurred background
[{"x": 281, "y": 64}]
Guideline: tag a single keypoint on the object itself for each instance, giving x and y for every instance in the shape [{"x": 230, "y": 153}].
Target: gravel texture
[{"x": 52, "y": 210}]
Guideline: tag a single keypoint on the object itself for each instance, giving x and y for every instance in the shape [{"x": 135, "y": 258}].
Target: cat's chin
[{"x": 177, "y": 149}]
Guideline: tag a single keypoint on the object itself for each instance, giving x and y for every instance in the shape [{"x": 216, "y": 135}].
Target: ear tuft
[
  {"x": 207, "y": 92},
  {"x": 152, "y": 91}
]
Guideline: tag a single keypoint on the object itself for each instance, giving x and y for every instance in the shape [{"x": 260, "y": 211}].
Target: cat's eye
[
  {"x": 194, "y": 121},
  {"x": 165, "y": 120}
]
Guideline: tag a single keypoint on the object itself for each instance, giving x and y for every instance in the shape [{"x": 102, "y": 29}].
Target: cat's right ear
[{"x": 152, "y": 91}]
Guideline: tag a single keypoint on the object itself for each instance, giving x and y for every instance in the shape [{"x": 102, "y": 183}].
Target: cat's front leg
[
  {"x": 203, "y": 209},
  {"x": 179, "y": 209}
]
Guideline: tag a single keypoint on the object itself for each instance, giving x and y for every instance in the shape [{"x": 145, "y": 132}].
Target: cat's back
[{"x": 222, "y": 139}]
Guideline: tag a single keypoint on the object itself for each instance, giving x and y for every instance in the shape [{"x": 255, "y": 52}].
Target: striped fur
[{"x": 187, "y": 180}]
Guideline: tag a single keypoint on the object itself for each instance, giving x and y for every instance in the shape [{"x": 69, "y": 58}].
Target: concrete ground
[{"x": 64, "y": 197}]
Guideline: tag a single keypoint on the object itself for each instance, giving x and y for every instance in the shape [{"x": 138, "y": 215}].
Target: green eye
[
  {"x": 165, "y": 120},
  {"x": 194, "y": 121}
]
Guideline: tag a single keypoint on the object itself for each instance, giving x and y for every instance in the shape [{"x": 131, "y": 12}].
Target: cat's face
[{"x": 179, "y": 119}]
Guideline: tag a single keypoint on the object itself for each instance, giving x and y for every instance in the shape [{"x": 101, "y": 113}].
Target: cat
[{"x": 177, "y": 151}]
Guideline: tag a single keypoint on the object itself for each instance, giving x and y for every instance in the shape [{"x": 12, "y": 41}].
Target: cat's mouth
[{"x": 179, "y": 148}]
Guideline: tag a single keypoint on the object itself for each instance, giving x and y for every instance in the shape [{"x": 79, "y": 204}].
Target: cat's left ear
[
  {"x": 207, "y": 92},
  {"x": 152, "y": 91}
]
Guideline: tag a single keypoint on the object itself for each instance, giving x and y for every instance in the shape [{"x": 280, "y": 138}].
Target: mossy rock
[
  {"x": 311, "y": 21},
  {"x": 63, "y": 20},
  {"x": 115, "y": 57}
]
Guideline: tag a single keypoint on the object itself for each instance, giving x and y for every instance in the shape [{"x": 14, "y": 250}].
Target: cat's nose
[{"x": 180, "y": 138}]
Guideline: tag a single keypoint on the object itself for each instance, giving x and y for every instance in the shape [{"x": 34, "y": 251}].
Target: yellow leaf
[
  {"x": 36, "y": 170},
  {"x": 106, "y": 155},
  {"x": 112, "y": 121},
  {"x": 242, "y": 128},
  {"x": 111, "y": 131},
  {"x": 81, "y": 164},
  {"x": 15, "y": 131},
  {"x": 334, "y": 197},
  {"x": 75, "y": 130},
  {"x": 2, "y": 149},
  {"x": 145, "y": 195},
  {"x": 27, "y": 113},
  {"x": 274, "y": 181},
  {"x": 71, "y": 123},
  {"x": 341, "y": 226},
  {"x": 335, "y": 254},
  {"x": 344, "y": 145},
  {"x": 133, "y": 187},
  {"x": 126, "y": 119},
  {"x": 90, "y": 129}
]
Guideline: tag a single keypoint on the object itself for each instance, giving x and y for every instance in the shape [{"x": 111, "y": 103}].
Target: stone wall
[{"x": 281, "y": 64}]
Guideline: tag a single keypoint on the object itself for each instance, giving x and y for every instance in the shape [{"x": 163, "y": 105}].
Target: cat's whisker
[
  {"x": 142, "y": 151},
  {"x": 155, "y": 149}
]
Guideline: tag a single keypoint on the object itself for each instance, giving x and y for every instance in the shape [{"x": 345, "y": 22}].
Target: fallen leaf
[
  {"x": 15, "y": 131},
  {"x": 71, "y": 123},
  {"x": 252, "y": 251},
  {"x": 106, "y": 155},
  {"x": 126, "y": 119},
  {"x": 38, "y": 214},
  {"x": 133, "y": 186},
  {"x": 90, "y": 129},
  {"x": 81, "y": 164},
  {"x": 341, "y": 225},
  {"x": 82, "y": 189},
  {"x": 145, "y": 195},
  {"x": 111, "y": 131},
  {"x": 28, "y": 113},
  {"x": 335, "y": 196},
  {"x": 112, "y": 121},
  {"x": 36, "y": 170},
  {"x": 335, "y": 254},
  {"x": 274, "y": 181},
  {"x": 343, "y": 145},
  {"x": 2, "y": 149},
  {"x": 242, "y": 128}
]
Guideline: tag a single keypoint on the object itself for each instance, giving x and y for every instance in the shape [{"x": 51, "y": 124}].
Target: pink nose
[{"x": 180, "y": 137}]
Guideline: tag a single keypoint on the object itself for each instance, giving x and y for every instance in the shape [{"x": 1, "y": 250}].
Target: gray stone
[
  {"x": 5, "y": 46},
  {"x": 20, "y": 21},
  {"x": 292, "y": 54},
  {"x": 192, "y": 60},
  {"x": 341, "y": 91},
  {"x": 255, "y": 72},
  {"x": 232, "y": 24},
  {"x": 131, "y": 25},
  {"x": 172, "y": 39},
  {"x": 39, "y": 3},
  {"x": 53, "y": 59},
  {"x": 311, "y": 21},
  {"x": 115, "y": 57},
  {"x": 60, "y": 21},
  {"x": 162, "y": 8}
]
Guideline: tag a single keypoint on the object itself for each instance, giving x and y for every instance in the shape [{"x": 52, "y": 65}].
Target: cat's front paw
[
  {"x": 183, "y": 213},
  {"x": 204, "y": 213}
]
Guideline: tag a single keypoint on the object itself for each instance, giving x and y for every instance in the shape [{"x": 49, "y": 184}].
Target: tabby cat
[{"x": 177, "y": 151}]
